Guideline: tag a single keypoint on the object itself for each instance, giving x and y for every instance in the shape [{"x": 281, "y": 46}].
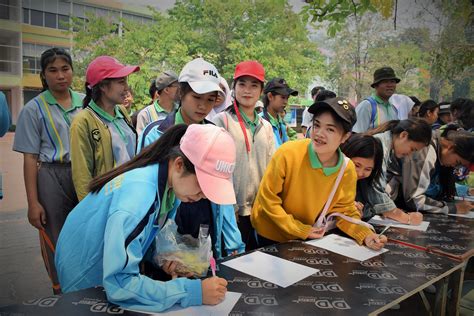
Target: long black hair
[
  {"x": 164, "y": 149},
  {"x": 365, "y": 146},
  {"x": 427, "y": 106},
  {"x": 418, "y": 129},
  {"x": 48, "y": 57}
]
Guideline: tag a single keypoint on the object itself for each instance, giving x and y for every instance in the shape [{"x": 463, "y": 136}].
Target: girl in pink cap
[
  {"x": 254, "y": 141},
  {"x": 199, "y": 85},
  {"x": 106, "y": 236},
  {"x": 102, "y": 136}
]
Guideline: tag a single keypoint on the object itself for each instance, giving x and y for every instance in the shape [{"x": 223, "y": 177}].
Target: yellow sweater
[{"x": 292, "y": 194}]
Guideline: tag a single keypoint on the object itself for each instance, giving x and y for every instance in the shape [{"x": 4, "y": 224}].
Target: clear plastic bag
[{"x": 191, "y": 254}]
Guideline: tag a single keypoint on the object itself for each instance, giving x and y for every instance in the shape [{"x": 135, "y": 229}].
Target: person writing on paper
[
  {"x": 424, "y": 184},
  {"x": 400, "y": 139},
  {"x": 199, "y": 86},
  {"x": 106, "y": 236},
  {"x": 295, "y": 192},
  {"x": 366, "y": 153}
]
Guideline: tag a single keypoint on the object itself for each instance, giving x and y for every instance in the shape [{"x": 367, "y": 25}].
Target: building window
[
  {"x": 26, "y": 16},
  {"x": 63, "y": 22},
  {"x": 50, "y": 20},
  {"x": 29, "y": 94},
  {"x": 32, "y": 57},
  {"x": 29, "y": 65},
  {"x": 36, "y": 17},
  {"x": 4, "y": 10}
]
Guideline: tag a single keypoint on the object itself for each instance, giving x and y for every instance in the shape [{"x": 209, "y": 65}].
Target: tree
[
  {"x": 448, "y": 39},
  {"x": 336, "y": 12},
  {"x": 268, "y": 31},
  {"x": 138, "y": 44},
  {"x": 355, "y": 60},
  {"x": 222, "y": 32}
]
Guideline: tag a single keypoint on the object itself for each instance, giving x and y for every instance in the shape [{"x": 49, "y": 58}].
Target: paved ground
[{"x": 22, "y": 273}]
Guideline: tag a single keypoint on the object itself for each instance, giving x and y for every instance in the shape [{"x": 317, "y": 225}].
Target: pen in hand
[
  {"x": 383, "y": 231},
  {"x": 213, "y": 266}
]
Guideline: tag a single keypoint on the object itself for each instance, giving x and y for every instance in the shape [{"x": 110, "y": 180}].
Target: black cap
[
  {"x": 279, "y": 85},
  {"x": 385, "y": 73},
  {"x": 340, "y": 106},
  {"x": 444, "y": 108}
]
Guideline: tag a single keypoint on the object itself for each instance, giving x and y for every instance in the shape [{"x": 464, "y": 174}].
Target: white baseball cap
[{"x": 201, "y": 75}]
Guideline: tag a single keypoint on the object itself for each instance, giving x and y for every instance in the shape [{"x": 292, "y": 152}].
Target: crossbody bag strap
[{"x": 322, "y": 216}]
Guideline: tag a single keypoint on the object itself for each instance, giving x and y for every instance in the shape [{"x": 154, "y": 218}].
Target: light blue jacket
[
  {"x": 225, "y": 224},
  {"x": 5, "y": 118},
  {"x": 106, "y": 236},
  {"x": 279, "y": 140}
]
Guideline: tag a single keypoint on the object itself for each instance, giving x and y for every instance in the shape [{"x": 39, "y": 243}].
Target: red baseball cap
[
  {"x": 250, "y": 68},
  {"x": 104, "y": 67}
]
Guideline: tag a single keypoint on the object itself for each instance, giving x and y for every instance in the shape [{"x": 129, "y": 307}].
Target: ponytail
[
  {"x": 418, "y": 130},
  {"x": 94, "y": 93},
  {"x": 162, "y": 150}
]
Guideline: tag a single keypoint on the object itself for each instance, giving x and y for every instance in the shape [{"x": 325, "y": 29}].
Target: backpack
[{"x": 373, "y": 112}]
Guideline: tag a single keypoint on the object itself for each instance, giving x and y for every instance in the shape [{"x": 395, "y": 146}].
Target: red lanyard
[{"x": 242, "y": 126}]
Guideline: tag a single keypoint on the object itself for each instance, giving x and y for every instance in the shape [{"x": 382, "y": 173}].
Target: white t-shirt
[
  {"x": 403, "y": 104},
  {"x": 307, "y": 119}
]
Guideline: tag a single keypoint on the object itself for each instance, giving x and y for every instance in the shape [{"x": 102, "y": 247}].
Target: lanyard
[{"x": 242, "y": 126}]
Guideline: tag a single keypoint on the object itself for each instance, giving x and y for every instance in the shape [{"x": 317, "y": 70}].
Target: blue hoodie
[
  {"x": 279, "y": 139},
  {"x": 223, "y": 216},
  {"x": 106, "y": 236},
  {"x": 5, "y": 118}
]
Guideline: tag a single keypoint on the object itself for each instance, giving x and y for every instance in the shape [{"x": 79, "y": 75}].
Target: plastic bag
[{"x": 192, "y": 254}]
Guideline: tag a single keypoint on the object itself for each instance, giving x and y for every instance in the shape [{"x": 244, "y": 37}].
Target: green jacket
[{"x": 91, "y": 149}]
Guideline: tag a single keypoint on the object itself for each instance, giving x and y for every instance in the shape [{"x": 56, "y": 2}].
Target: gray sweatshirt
[{"x": 250, "y": 166}]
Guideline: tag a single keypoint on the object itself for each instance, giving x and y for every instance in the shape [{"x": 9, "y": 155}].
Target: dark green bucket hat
[{"x": 385, "y": 73}]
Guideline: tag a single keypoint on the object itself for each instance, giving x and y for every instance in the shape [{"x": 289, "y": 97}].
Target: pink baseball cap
[
  {"x": 250, "y": 68},
  {"x": 211, "y": 149},
  {"x": 104, "y": 67}
]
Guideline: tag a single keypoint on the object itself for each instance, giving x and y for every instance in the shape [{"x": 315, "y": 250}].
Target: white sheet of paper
[
  {"x": 223, "y": 308},
  {"x": 378, "y": 220},
  {"x": 346, "y": 247},
  {"x": 468, "y": 215},
  {"x": 270, "y": 268}
]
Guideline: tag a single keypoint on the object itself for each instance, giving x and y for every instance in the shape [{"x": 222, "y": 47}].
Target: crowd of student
[{"x": 100, "y": 184}]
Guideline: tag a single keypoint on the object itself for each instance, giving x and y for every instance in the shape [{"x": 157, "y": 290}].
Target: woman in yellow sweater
[{"x": 299, "y": 180}]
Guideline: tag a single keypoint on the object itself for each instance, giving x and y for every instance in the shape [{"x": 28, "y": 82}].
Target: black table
[
  {"x": 448, "y": 236},
  {"x": 342, "y": 286}
]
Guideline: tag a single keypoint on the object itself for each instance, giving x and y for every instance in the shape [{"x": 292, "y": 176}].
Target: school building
[{"x": 28, "y": 27}]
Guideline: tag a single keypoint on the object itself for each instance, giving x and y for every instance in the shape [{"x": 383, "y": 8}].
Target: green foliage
[
  {"x": 222, "y": 32},
  {"x": 336, "y": 12},
  {"x": 361, "y": 48}
]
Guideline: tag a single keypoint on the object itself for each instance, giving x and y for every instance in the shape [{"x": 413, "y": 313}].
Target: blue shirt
[
  {"x": 106, "y": 236},
  {"x": 5, "y": 118}
]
